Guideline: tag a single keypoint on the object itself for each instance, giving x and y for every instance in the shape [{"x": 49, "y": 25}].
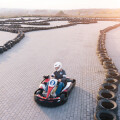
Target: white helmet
[{"x": 58, "y": 65}]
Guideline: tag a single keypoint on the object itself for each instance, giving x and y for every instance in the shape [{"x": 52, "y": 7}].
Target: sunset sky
[{"x": 59, "y": 4}]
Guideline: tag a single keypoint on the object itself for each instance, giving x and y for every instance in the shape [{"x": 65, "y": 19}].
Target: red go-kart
[{"x": 47, "y": 99}]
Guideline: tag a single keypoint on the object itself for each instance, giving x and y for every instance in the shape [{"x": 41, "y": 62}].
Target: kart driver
[{"x": 60, "y": 75}]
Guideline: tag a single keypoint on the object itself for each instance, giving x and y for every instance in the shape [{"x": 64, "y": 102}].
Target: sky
[{"x": 59, "y": 4}]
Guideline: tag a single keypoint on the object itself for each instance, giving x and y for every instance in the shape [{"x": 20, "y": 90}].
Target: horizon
[{"x": 65, "y": 9}]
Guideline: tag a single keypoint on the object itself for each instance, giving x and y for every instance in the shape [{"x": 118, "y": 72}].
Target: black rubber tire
[
  {"x": 105, "y": 59},
  {"x": 111, "y": 76},
  {"x": 112, "y": 80},
  {"x": 63, "y": 98},
  {"x": 108, "y": 105},
  {"x": 107, "y": 66},
  {"x": 12, "y": 43},
  {"x": 74, "y": 82},
  {"x": 5, "y": 48},
  {"x": 112, "y": 73},
  {"x": 105, "y": 115},
  {"x": 1, "y": 49},
  {"x": 108, "y": 62},
  {"x": 109, "y": 86},
  {"x": 99, "y": 52},
  {"x": 8, "y": 45},
  {"x": 106, "y": 94},
  {"x": 103, "y": 55},
  {"x": 111, "y": 69},
  {"x": 39, "y": 91}
]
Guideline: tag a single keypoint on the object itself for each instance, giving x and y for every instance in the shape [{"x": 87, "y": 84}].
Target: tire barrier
[
  {"x": 106, "y": 94},
  {"x": 108, "y": 105},
  {"x": 19, "y": 20},
  {"x": 8, "y": 45},
  {"x": 109, "y": 86},
  {"x": 29, "y": 29},
  {"x": 106, "y": 98},
  {"x": 15, "y": 27},
  {"x": 37, "y": 23},
  {"x": 1, "y": 49},
  {"x": 105, "y": 115},
  {"x": 112, "y": 80},
  {"x": 83, "y": 20}
]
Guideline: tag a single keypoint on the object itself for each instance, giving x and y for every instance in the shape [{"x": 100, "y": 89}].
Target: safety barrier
[
  {"x": 8, "y": 45},
  {"x": 106, "y": 100}
]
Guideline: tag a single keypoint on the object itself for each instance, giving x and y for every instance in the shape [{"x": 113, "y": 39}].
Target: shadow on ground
[{"x": 74, "y": 109}]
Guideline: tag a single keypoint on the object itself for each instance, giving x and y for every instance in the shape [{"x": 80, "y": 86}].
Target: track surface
[{"x": 22, "y": 68}]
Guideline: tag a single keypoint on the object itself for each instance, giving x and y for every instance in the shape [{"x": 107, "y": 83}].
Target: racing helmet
[{"x": 58, "y": 66}]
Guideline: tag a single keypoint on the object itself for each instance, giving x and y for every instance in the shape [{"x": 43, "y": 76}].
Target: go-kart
[{"x": 46, "y": 98}]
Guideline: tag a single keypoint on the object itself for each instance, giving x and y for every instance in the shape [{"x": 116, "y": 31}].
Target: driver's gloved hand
[
  {"x": 52, "y": 75},
  {"x": 46, "y": 77}
]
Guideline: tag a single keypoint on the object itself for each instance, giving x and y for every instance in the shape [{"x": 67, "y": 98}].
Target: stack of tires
[
  {"x": 107, "y": 107},
  {"x": 12, "y": 30},
  {"x": 37, "y": 23},
  {"x": 8, "y": 45}
]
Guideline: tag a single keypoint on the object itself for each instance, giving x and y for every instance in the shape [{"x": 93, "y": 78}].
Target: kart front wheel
[
  {"x": 63, "y": 97},
  {"x": 39, "y": 91}
]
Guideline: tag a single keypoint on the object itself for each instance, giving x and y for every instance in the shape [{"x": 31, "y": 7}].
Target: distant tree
[{"x": 61, "y": 13}]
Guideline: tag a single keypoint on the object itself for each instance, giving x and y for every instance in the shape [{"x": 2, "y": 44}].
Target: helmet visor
[{"x": 56, "y": 68}]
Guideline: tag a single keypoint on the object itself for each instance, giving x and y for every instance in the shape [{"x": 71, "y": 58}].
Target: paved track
[
  {"x": 5, "y": 36},
  {"x": 22, "y": 68},
  {"x": 113, "y": 48}
]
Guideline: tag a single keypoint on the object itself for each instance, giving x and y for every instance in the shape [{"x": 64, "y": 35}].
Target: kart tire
[
  {"x": 111, "y": 80},
  {"x": 8, "y": 45},
  {"x": 63, "y": 98},
  {"x": 105, "y": 115},
  {"x": 114, "y": 70},
  {"x": 12, "y": 43},
  {"x": 109, "y": 66},
  {"x": 111, "y": 73},
  {"x": 103, "y": 59},
  {"x": 74, "y": 82},
  {"x": 117, "y": 76},
  {"x": 103, "y": 55},
  {"x": 106, "y": 94},
  {"x": 1, "y": 49},
  {"x": 5, "y": 48},
  {"x": 109, "y": 86},
  {"x": 108, "y": 105},
  {"x": 39, "y": 91},
  {"x": 108, "y": 62}
]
